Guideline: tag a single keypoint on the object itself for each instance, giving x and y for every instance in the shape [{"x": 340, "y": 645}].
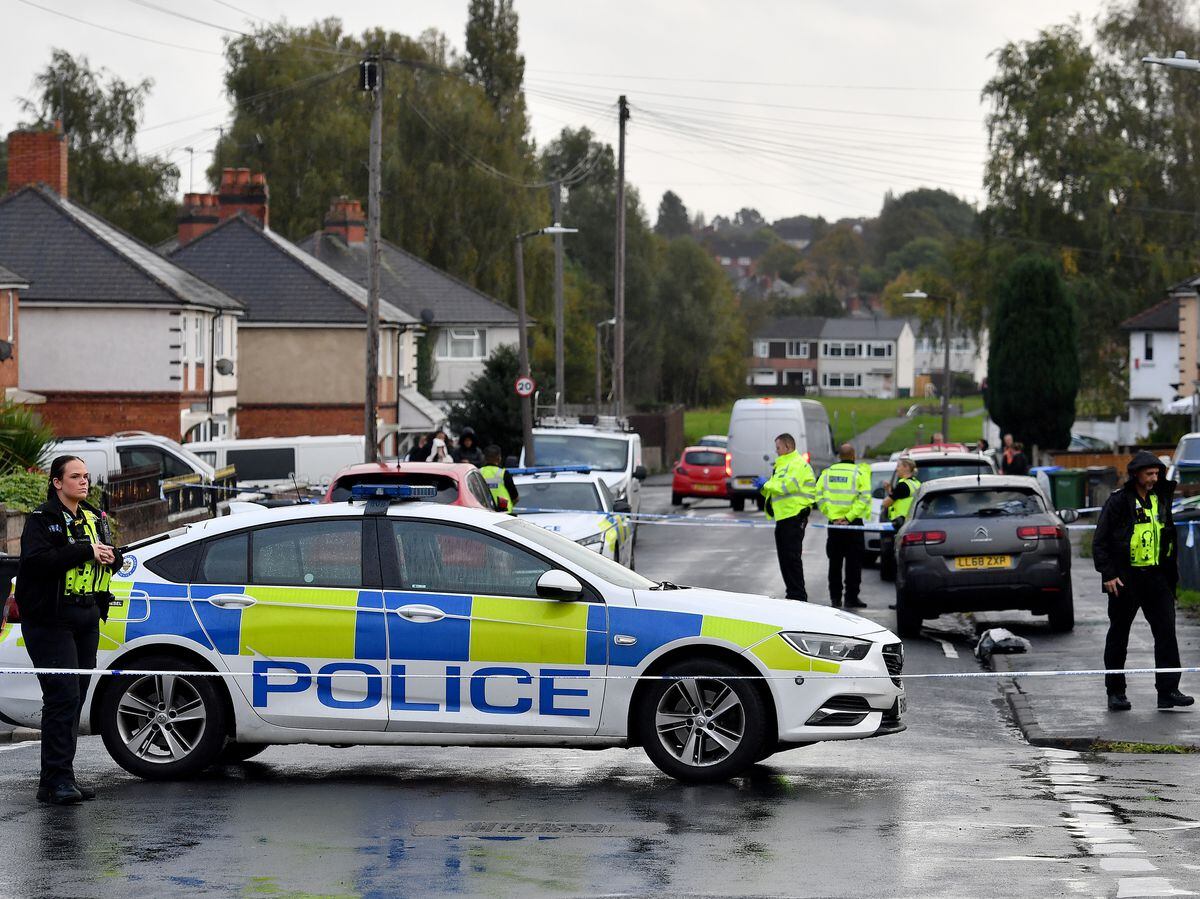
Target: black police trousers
[
  {"x": 844, "y": 548},
  {"x": 1149, "y": 591},
  {"x": 70, "y": 642},
  {"x": 789, "y": 543}
]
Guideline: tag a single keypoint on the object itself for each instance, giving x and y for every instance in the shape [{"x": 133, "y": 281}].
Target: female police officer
[{"x": 62, "y": 591}]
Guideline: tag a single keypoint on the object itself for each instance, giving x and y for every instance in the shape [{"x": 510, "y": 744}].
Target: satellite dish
[
  {"x": 427, "y": 316},
  {"x": 223, "y": 366},
  {"x": 6, "y": 350}
]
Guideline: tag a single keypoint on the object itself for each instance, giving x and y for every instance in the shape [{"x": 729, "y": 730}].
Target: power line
[
  {"x": 180, "y": 15},
  {"x": 137, "y": 37},
  {"x": 691, "y": 80}
]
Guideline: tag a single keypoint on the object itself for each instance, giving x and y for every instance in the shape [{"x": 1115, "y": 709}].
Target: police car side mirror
[
  {"x": 640, "y": 472},
  {"x": 1066, "y": 516},
  {"x": 558, "y": 584},
  {"x": 622, "y": 505}
]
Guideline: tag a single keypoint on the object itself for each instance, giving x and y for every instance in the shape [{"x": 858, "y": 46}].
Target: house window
[
  {"x": 219, "y": 337},
  {"x": 762, "y": 348},
  {"x": 889, "y": 349},
  {"x": 797, "y": 349},
  {"x": 725, "y": 260},
  {"x": 763, "y": 377},
  {"x": 199, "y": 326},
  {"x": 743, "y": 260},
  {"x": 833, "y": 349},
  {"x": 849, "y": 349},
  {"x": 806, "y": 377},
  {"x": 1147, "y": 354},
  {"x": 462, "y": 343},
  {"x": 12, "y": 317}
]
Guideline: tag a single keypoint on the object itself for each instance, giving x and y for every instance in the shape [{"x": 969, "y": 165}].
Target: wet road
[{"x": 958, "y": 805}]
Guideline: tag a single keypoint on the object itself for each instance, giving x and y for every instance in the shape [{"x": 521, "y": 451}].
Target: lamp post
[
  {"x": 1178, "y": 61},
  {"x": 607, "y": 323},
  {"x": 922, "y": 295},
  {"x": 523, "y": 335}
]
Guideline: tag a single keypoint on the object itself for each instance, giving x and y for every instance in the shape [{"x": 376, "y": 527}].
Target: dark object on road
[
  {"x": 982, "y": 543},
  {"x": 1000, "y": 641}
]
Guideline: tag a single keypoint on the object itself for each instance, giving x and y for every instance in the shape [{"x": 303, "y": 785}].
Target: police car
[
  {"x": 577, "y": 503},
  {"x": 412, "y": 623}
]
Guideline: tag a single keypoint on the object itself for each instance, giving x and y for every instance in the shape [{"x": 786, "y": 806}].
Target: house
[
  {"x": 10, "y": 286},
  {"x": 112, "y": 335},
  {"x": 968, "y": 356},
  {"x": 465, "y": 324},
  {"x": 866, "y": 357},
  {"x": 1156, "y": 344},
  {"x": 784, "y": 354},
  {"x": 301, "y": 348}
]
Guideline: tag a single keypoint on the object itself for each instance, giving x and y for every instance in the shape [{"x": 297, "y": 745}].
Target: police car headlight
[
  {"x": 592, "y": 540},
  {"x": 827, "y": 646}
]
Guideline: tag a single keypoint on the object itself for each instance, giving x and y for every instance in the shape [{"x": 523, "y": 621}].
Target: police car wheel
[
  {"x": 163, "y": 726},
  {"x": 703, "y": 727}
]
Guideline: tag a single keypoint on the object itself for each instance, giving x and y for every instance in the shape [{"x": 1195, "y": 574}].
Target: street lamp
[
  {"x": 523, "y": 336},
  {"x": 922, "y": 295},
  {"x": 1178, "y": 61},
  {"x": 607, "y": 323}
]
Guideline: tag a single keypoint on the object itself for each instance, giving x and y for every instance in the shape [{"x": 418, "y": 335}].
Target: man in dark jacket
[
  {"x": 467, "y": 450},
  {"x": 1135, "y": 552}
]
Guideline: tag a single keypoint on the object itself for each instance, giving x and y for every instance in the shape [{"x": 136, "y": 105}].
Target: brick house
[
  {"x": 112, "y": 335},
  {"x": 301, "y": 343},
  {"x": 465, "y": 324},
  {"x": 10, "y": 324},
  {"x": 784, "y": 354}
]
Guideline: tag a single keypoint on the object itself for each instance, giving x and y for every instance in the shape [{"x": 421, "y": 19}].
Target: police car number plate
[{"x": 975, "y": 563}]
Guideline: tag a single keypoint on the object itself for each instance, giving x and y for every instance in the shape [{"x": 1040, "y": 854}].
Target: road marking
[
  {"x": 948, "y": 649},
  {"x": 1131, "y": 887},
  {"x": 20, "y": 745}
]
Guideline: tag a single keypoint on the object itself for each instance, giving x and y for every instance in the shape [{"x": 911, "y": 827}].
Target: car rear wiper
[
  {"x": 667, "y": 585},
  {"x": 992, "y": 510}
]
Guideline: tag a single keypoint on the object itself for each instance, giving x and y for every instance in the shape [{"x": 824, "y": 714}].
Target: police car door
[
  {"x": 290, "y": 606},
  {"x": 473, "y": 649}
]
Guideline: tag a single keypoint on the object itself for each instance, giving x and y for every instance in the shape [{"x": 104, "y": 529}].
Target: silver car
[{"x": 983, "y": 543}]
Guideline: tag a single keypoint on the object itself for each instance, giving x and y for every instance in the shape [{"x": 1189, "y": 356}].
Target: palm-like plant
[{"x": 24, "y": 438}]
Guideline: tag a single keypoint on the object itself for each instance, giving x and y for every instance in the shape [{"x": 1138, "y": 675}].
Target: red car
[
  {"x": 702, "y": 472},
  {"x": 458, "y": 484}
]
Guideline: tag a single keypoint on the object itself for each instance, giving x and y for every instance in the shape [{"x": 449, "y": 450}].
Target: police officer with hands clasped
[
  {"x": 790, "y": 493},
  {"x": 67, "y": 561},
  {"x": 1135, "y": 552},
  {"x": 844, "y": 497}
]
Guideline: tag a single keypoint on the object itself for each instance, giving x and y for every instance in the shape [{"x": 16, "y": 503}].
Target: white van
[
  {"x": 753, "y": 426},
  {"x": 275, "y": 461},
  {"x": 608, "y": 449},
  {"x": 107, "y": 456}
]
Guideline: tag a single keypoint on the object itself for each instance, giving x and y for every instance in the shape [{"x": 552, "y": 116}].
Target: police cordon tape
[{"x": 560, "y": 674}]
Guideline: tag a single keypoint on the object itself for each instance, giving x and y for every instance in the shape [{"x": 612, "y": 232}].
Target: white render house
[{"x": 866, "y": 357}]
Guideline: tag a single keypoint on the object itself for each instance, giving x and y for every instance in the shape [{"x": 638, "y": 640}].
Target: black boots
[
  {"x": 1118, "y": 702},
  {"x": 1173, "y": 699}
]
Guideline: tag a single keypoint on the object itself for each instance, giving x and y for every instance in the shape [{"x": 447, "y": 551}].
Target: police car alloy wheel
[
  {"x": 163, "y": 726},
  {"x": 703, "y": 722}
]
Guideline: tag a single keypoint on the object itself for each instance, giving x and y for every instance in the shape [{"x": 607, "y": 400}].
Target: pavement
[{"x": 876, "y": 434}]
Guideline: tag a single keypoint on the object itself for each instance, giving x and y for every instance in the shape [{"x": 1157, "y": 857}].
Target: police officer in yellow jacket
[
  {"x": 844, "y": 497},
  {"x": 900, "y": 498},
  {"x": 790, "y": 493},
  {"x": 499, "y": 481}
]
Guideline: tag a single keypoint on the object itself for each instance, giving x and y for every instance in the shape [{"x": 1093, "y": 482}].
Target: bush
[
  {"x": 24, "y": 439},
  {"x": 23, "y": 490}
]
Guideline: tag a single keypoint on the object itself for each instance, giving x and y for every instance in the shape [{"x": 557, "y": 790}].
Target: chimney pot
[{"x": 38, "y": 157}]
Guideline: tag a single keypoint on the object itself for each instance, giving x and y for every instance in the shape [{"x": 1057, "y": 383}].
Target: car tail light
[
  {"x": 928, "y": 538},
  {"x": 1040, "y": 532},
  {"x": 12, "y": 614},
  {"x": 728, "y": 465}
]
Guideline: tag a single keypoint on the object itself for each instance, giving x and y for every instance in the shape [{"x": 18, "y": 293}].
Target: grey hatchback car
[{"x": 983, "y": 543}]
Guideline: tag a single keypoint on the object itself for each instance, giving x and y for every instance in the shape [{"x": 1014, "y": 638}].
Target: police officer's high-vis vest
[
  {"x": 1147, "y": 535},
  {"x": 792, "y": 487},
  {"x": 91, "y": 576},
  {"x": 844, "y": 491},
  {"x": 899, "y": 507},
  {"x": 494, "y": 475}
]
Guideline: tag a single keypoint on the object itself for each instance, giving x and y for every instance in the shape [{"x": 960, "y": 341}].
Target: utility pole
[
  {"x": 619, "y": 285},
  {"x": 560, "y": 377},
  {"x": 371, "y": 78},
  {"x": 946, "y": 381},
  {"x": 523, "y": 354}
]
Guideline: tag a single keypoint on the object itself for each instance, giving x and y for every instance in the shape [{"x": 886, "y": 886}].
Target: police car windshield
[
  {"x": 550, "y": 495},
  {"x": 598, "y": 453},
  {"x": 591, "y": 562}
]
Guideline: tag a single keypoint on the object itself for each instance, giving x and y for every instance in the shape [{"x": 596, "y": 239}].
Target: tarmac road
[{"x": 958, "y": 805}]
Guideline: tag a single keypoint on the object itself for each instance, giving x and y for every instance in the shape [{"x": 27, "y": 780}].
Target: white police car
[
  {"x": 576, "y": 502},
  {"x": 412, "y": 623}
]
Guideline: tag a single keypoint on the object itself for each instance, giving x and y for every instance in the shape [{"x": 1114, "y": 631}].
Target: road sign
[{"x": 524, "y": 386}]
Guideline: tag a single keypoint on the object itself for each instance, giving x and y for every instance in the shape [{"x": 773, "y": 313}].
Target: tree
[
  {"x": 672, "y": 217},
  {"x": 1033, "y": 363},
  {"x": 489, "y": 403},
  {"x": 933, "y": 215},
  {"x": 101, "y": 114},
  {"x": 781, "y": 260},
  {"x": 492, "y": 57},
  {"x": 834, "y": 261}
]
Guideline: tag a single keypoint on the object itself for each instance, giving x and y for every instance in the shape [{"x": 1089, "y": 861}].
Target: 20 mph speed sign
[{"x": 524, "y": 386}]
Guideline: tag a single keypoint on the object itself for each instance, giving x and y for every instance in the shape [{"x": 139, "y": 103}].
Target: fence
[
  {"x": 190, "y": 492},
  {"x": 131, "y": 487}
]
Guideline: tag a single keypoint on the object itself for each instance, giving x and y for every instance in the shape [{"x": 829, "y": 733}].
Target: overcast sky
[{"x": 790, "y": 107}]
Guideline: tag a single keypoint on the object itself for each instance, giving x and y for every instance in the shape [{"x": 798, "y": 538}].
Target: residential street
[{"x": 958, "y": 805}]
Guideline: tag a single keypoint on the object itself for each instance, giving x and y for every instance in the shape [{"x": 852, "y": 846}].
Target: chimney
[
  {"x": 346, "y": 220},
  {"x": 241, "y": 191},
  {"x": 38, "y": 157},
  {"x": 198, "y": 214}
]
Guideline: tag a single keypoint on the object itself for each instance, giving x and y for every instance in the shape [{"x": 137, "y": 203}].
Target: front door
[
  {"x": 288, "y": 606},
  {"x": 473, "y": 649}
]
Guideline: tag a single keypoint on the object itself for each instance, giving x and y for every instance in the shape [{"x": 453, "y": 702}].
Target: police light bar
[
  {"x": 392, "y": 491},
  {"x": 552, "y": 469}
]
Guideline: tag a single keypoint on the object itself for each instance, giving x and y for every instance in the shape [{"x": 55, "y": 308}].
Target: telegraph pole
[
  {"x": 560, "y": 377},
  {"x": 619, "y": 285},
  {"x": 371, "y": 79},
  {"x": 523, "y": 352}
]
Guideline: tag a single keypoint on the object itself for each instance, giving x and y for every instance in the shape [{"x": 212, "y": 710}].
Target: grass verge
[
  {"x": 1189, "y": 599},
  {"x": 920, "y": 429},
  {"x": 1148, "y": 748}
]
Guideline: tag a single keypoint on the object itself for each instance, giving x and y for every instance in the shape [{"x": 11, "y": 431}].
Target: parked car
[
  {"x": 106, "y": 456},
  {"x": 1082, "y": 442},
  {"x": 702, "y": 471},
  {"x": 881, "y": 475},
  {"x": 580, "y": 507},
  {"x": 753, "y": 426},
  {"x": 933, "y": 463},
  {"x": 269, "y": 462},
  {"x": 1185, "y": 462},
  {"x": 721, "y": 440},
  {"x": 457, "y": 483},
  {"x": 984, "y": 543}
]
